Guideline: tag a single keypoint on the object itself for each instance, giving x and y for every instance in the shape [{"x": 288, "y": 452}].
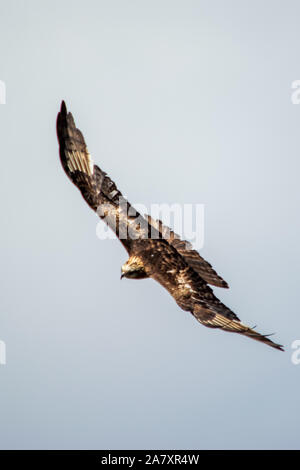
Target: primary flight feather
[{"x": 155, "y": 251}]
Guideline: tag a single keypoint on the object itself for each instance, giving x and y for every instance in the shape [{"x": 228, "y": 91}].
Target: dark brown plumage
[{"x": 154, "y": 250}]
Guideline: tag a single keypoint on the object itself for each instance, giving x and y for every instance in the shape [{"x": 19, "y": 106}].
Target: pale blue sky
[{"x": 179, "y": 101}]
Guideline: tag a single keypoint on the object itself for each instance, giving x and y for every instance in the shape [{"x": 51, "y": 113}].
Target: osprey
[{"x": 154, "y": 250}]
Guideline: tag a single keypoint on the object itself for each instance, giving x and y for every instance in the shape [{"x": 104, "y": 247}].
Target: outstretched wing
[
  {"x": 191, "y": 256},
  {"x": 193, "y": 294},
  {"x": 208, "y": 317},
  {"x": 98, "y": 190}
]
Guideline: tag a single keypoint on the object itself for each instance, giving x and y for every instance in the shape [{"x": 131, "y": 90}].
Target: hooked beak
[{"x": 122, "y": 275}]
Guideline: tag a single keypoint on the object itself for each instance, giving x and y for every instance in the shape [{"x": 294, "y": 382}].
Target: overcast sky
[{"x": 180, "y": 102}]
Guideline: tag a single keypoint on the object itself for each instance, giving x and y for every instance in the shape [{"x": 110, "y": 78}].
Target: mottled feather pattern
[
  {"x": 157, "y": 250},
  {"x": 192, "y": 257}
]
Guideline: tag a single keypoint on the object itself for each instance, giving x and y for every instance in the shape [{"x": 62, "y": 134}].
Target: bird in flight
[{"x": 154, "y": 250}]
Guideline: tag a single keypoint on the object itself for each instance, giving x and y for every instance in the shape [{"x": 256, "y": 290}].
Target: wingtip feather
[{"x": 63, "y": 107}]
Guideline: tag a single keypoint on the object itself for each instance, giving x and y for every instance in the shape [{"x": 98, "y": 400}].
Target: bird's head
[{"x": 133, "y": 269}]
